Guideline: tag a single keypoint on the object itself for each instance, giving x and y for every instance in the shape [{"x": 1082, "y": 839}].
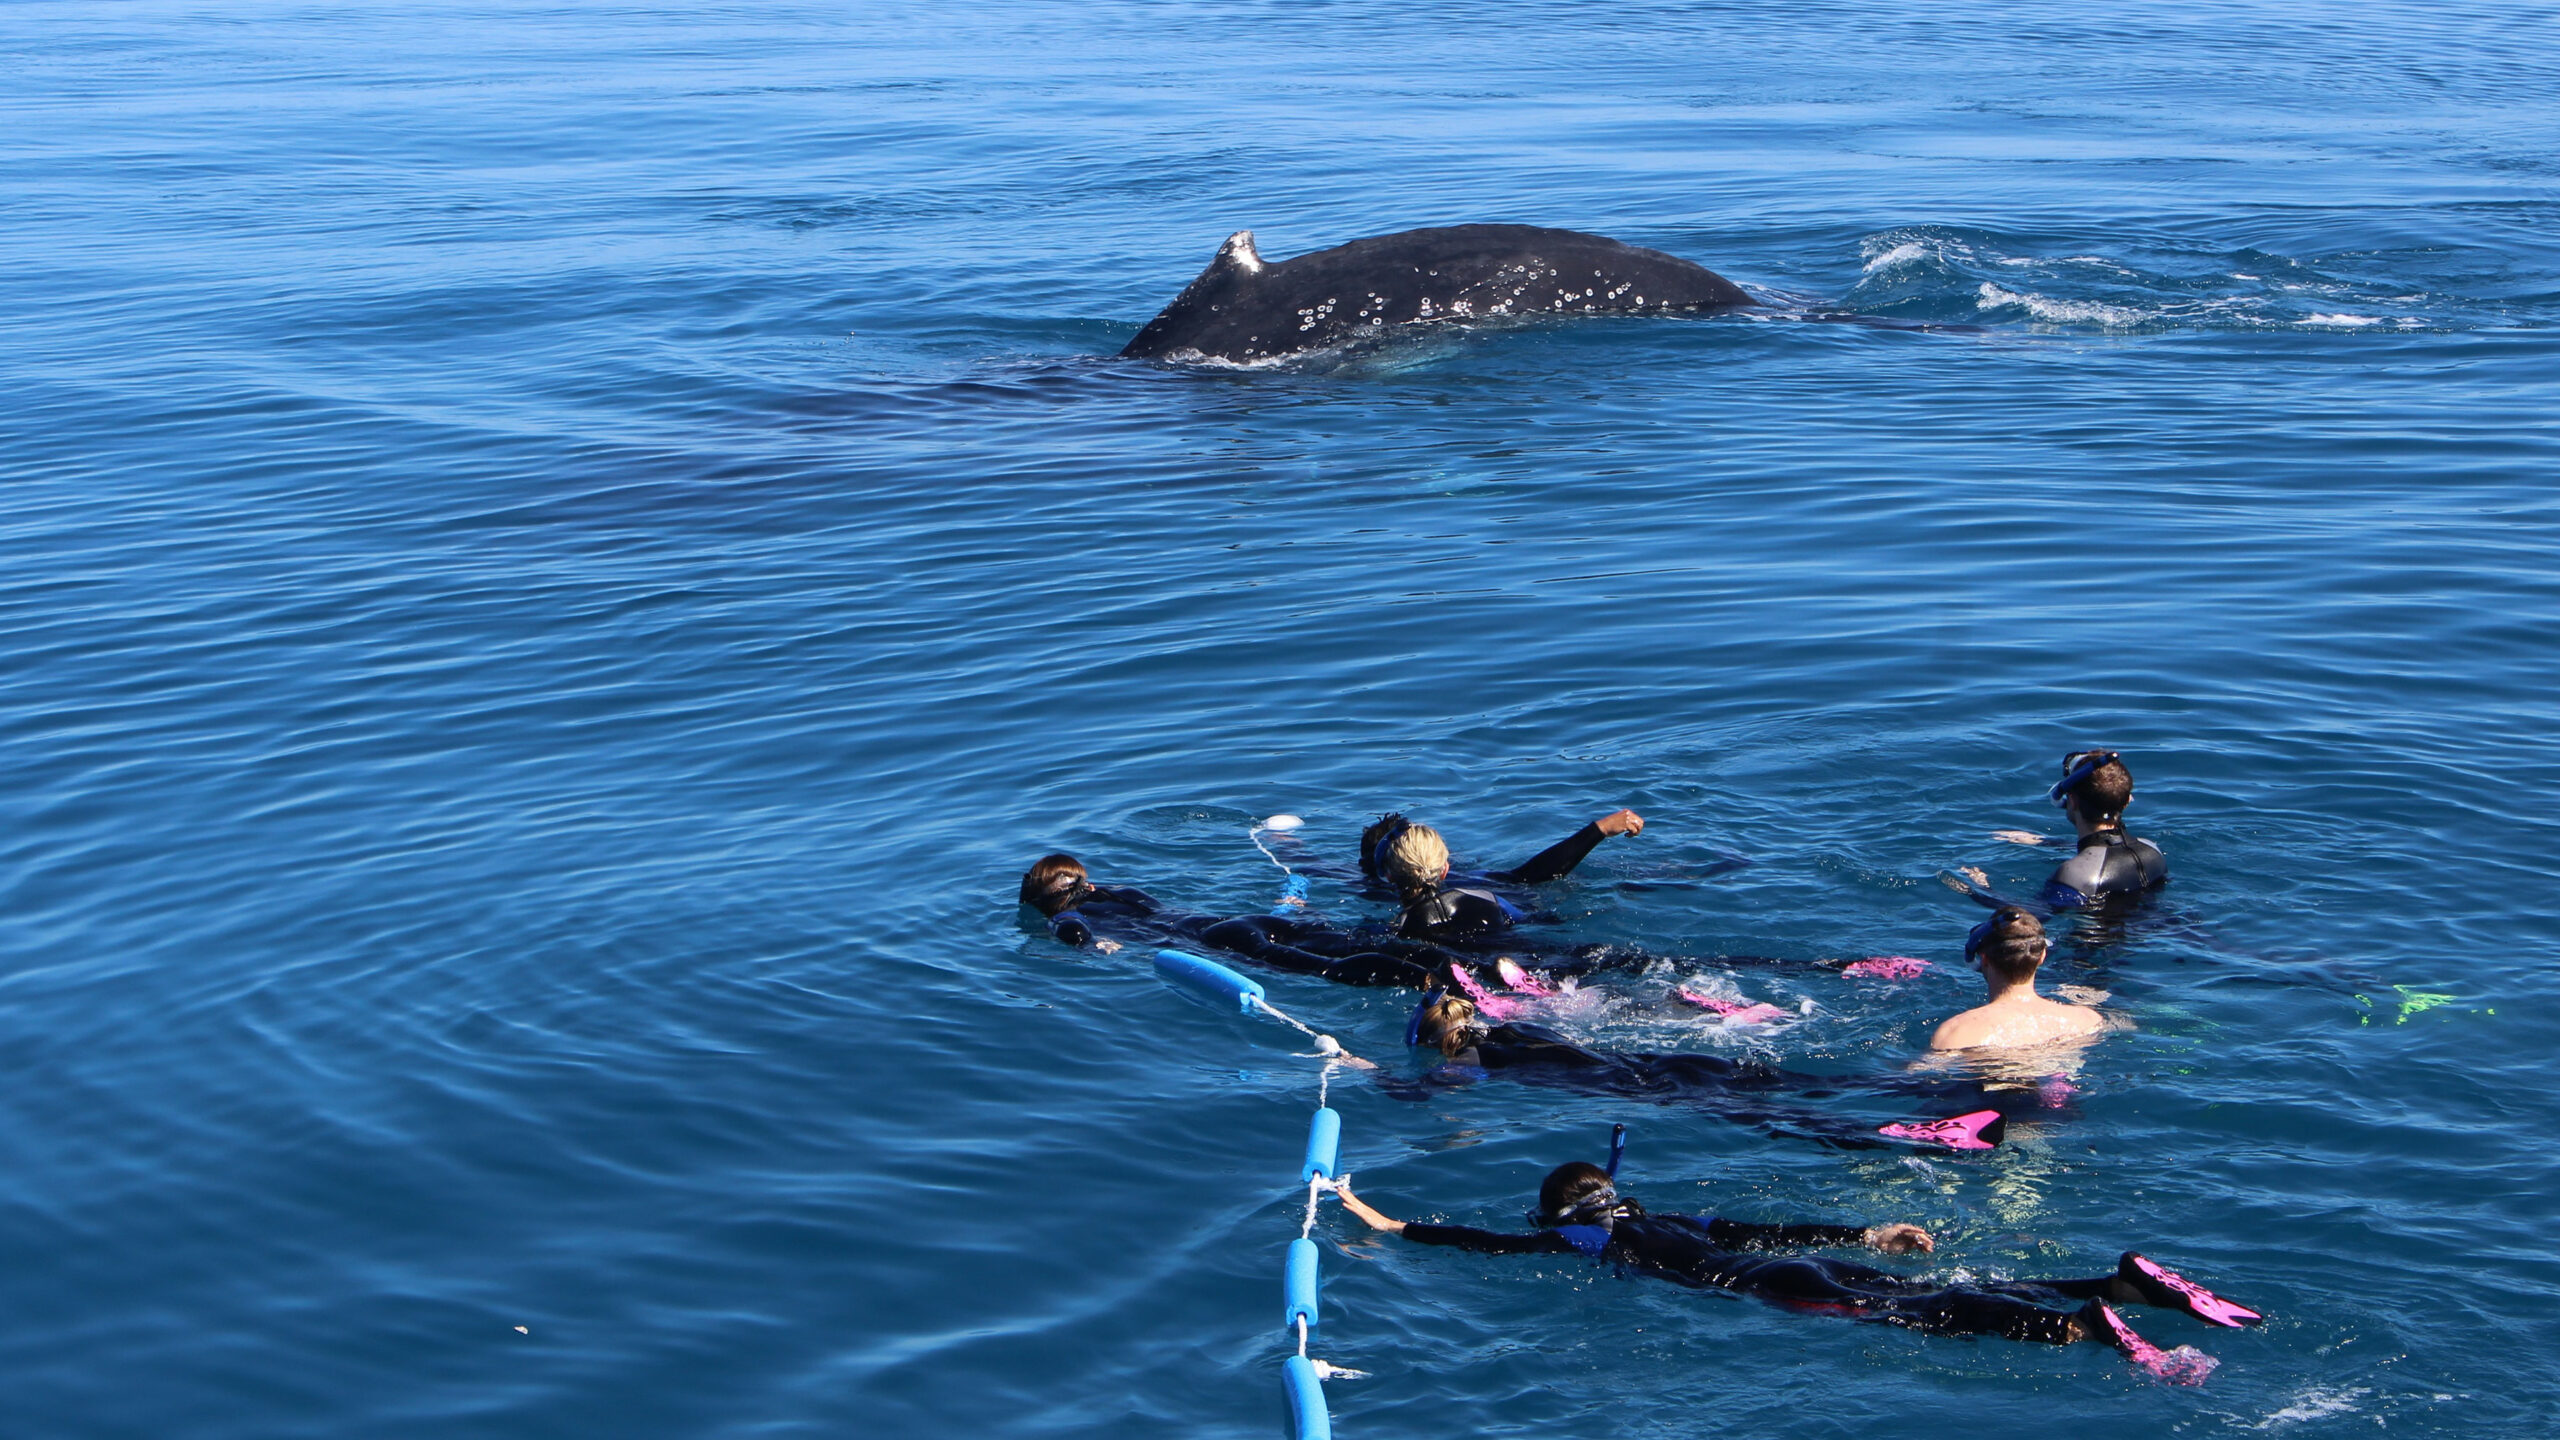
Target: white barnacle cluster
[
  {"x": 1377, "y": 307},
  {"x": 1308, "y": 317}
]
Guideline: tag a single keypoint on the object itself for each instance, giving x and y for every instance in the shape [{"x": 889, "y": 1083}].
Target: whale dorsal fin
[{"x": 1239, "y": 252}]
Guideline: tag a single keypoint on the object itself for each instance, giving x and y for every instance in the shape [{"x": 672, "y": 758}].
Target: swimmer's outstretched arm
[
  {"x": 1365, "y": 1211},
  {"x": 1972, "y": 884},
  {"x": 1557, "y": 860},
  {"x": 1462, "y": 1237}
]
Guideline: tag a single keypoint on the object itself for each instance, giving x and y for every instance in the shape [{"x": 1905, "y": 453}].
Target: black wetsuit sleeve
[
  {"x": 1556, "y": 861},
  {"x": 1744, "y": 1235},
  {"x": 1488, "y": 1242}
]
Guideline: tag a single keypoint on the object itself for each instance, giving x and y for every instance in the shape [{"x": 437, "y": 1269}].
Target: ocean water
[{"x": 556, "y": 563}]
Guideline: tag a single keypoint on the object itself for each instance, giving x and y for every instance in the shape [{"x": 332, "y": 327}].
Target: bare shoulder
[
  {"x": 1965, "y": 1030},
  {"x": 2011, "y": 1027}
]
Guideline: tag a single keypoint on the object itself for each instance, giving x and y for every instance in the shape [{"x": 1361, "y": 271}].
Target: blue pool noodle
[
  {"x": 1298, "y": 1285},
  {"x": 1324, "y": 1146},
  {"x": 1306, "y": 1399},
  {"x": 1209, "y": 979}
]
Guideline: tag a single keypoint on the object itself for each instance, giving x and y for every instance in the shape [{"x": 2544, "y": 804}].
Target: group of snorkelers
[{"x": 1459, "y": 938}]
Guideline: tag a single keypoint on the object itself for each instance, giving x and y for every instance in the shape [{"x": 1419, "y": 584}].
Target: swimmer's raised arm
[{"x": 1557, "y": 860}]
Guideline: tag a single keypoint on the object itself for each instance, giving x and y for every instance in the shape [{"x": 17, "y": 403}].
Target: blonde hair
[
  {"x": 1416, "y": 859},
  {"x": 1448, "y": 1023}
]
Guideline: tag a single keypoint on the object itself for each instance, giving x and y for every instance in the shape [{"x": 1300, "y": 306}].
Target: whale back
[{"x": 1243, "y": 308}]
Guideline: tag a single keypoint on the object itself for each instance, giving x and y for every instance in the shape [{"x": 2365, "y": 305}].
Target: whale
[{"x": 1244, "y": 309}]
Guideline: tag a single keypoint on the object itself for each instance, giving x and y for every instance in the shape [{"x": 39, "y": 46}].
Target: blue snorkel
[
  {"x": 2083, "y": 763},
  {"x": 1617, "y": 1148},
  {"x": 1413, "y": 1027},
  {"x": 1374, "y": 859}
]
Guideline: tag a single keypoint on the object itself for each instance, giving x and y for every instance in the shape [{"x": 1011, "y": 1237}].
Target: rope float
[{"x": 1302, "y": 1377}]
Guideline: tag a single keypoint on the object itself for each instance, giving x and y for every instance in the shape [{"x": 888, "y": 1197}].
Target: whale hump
[{"x": 1244, "y": 309}]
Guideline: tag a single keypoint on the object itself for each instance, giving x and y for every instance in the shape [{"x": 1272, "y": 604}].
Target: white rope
[
  {"x": 1255, "y": 835},
  {"x": 1274, "y": 1013}
]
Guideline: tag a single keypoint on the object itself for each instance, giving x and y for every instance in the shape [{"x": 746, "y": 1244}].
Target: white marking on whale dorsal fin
[{"x": 1239, "y": 252}]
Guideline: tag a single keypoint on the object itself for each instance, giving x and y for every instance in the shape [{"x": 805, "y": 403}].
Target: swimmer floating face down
[{"x": 1581, "y": 1212}]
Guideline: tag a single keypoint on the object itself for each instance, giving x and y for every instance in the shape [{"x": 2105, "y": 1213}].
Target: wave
[{"x": 1947, "y": 275}]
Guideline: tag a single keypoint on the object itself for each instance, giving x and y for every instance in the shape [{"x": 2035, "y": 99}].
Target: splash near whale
[{"x": 1244, "y": 308}]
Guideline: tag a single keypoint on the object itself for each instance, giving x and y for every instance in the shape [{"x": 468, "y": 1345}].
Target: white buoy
[{"x": 1282, "y": 824}]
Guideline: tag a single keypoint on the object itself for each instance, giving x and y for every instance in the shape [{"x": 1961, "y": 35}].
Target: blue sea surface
[{"x": 557, "y": 562}]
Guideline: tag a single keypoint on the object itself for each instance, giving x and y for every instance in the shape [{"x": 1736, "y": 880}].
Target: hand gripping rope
[{"x": 1302, "y": 1376}]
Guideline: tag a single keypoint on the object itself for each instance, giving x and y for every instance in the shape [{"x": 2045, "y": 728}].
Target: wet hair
[
  {"x": 1052, "y": 884},
  {"x": 2012, "y": 945},
  {"x": 1448, "y": 1024},
  {"x": 2104, "y": 792},
  {"x": 1580, "y": 1192},
  {"x": 1373, "y": 840},
  {"x": 1416, "y": 859}
]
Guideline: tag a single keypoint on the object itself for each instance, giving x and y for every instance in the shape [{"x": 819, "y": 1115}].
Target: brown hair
[
  {"x": 2014, "y": 946},
  {"x": 1052, "y": 883},
  {"x": 1577, "y": 1183},
  {"x": 2104, "y": 792}
]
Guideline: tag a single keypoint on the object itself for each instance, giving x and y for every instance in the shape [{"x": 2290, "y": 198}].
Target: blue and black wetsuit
[
  {"x": 1553, "y": 863},
  {"x": 1457, "y": 915},
  {"x": 1731, "y": 1089},
  {"x": 2109, "y": 863},
  {"x": 1473, "y": 914},
  {"x": 1711, "y": 1253}
]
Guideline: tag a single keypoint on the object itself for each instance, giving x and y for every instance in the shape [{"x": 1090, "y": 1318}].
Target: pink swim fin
[
  {"x": 1978, "y": 1131},
  {"x": 1886, "y": 967},
  {"x": 1521, "y": 980},
  {"x": 2185, "y": 1365},
  {"x": 1735, "y": 1012},
  {"x": 1487, "y": 1003},
  {"x": 2170, "y": 1290}
]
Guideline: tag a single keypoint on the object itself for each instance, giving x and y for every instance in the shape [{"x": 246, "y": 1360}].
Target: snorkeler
[
  {"x": 2007, "y": 949},
  {"x": 1732, "y": 1089},
  {"x": 1553, "y": 863},
  {"x": 1580, "y": 1212},
  {"x": 1105, "y": 917},
  {"x": 1415, "y": 860},
  {"x": 2094, "y": 789}
]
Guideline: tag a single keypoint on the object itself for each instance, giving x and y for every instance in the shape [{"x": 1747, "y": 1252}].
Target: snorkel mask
[
  {"x": 1600, "y": 1205},
  {"x": 1592, "y": 1209},
  {"x": 2077, "y": 766},
  {"x": 1975, "y": 938}
]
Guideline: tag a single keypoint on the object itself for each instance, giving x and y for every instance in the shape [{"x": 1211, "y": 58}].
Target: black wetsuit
[
  {"x": 1725, "y": 1087},
  {"x": 1722, "y": 1254},
  {"x": 1302, "y": 947},
  {"x": 2109, "y": 863}
]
